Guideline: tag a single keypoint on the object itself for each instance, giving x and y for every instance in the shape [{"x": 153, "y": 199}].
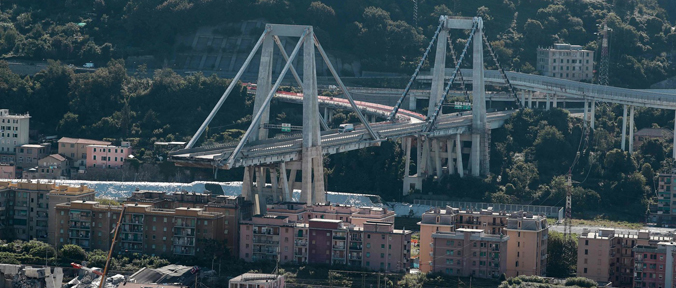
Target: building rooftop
[
  {"x": 5, "y": 113},
  {"x": 82, "y": 141},
  {"x": 57, "y": 157},
  {"x": 654, "y": 132},
  {"x": 256, "y": 278},
  {"x": 43, "y": 145}
]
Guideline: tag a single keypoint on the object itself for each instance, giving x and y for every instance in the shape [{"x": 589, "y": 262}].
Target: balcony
[
  {"x": 184, "y": 242},
  {"x": 184, "y": 250},
  {"x": 184, "y": 232},
  {"x": 265, "y": 232},
  {"x": 339, "y": 247},
  {"x": 265, "y": 241},
  {"x": 79, "y": 235},
  {"x": 79, "y": 225},
  {"x": 300, "y": 243},
  {"x": 130, "y": 238},
  {"x": 355, "y": 257},
  {"x": 339, "y": 236},
  {"x": 185, "y": 223},
  {"x": 299, "y": 253},
  {"x": 356, "y": 247}
]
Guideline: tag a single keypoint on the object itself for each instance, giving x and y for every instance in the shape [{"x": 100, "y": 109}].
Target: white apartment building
[
  {"x": 567, "y": 62},
  {"x": 13, "y": 133}
]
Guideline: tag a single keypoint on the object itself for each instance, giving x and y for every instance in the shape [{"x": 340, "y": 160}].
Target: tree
[
  {"x": 559, "y": 263},
  {"x": 73, "y": 253},
  {"x": 522, "y": 175}
]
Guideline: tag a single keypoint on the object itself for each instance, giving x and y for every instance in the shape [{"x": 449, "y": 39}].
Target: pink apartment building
[
  {"x": 374, "y": 246},
  {"x": 106, "y": 156}
]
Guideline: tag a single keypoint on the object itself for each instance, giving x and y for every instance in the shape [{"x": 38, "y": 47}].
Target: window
[
  {"x": 382, "y": 246},
  {"x": 368, "y": 254},
  {"x": 586, "y": 252},
  {"x": 382, "y": 255}
]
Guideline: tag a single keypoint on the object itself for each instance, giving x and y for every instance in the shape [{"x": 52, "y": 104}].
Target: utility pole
[
  {"x": 415, "y": 13},
  {"x": 604, "y": 66}
]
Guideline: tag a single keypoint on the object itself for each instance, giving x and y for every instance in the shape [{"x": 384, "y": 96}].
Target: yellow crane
[{"x": 112, "y": 246}]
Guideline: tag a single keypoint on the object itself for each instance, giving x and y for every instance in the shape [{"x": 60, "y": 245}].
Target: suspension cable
[
  {"x": 502, "y": 71},
  {"x": 415, "y": 74},
  {"x": 433, "y": 118},
  {"x": 455, "y": 62}
]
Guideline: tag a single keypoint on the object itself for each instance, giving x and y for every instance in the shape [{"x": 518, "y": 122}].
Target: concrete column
[
  {"x": 292, "y": 182},
  {"x": 326, "y": 113},
  {"x": 449, "y": 151},
  {"x": 286, "y": 195},
  {"x": 274, "y": 179},
  {"x": 328, "y": 120},
  {"x": 674, "y": 144},
  {"x": 523, "y": 99},
  {"x": 260, "y": 184},
  {"x": 406, "y": 143},
  {"x": 669, "y": 273},
  {"x": 548, "y": 103},
  {"x": 439, "y": 69},
  {"x": 530, "y": 99},
  {"x": 631, "y": 129},
  {"x": 412, "y": 103},
  {"x": 437, "y": 157},
  {"x": 537, "y": 104},
  {"x": 593, "y": 114},
  {"x": 555, "y": 101},
  {"x": 247, "y": 182},
  {"x": 624, "y": 128},
  {"x": 479, "y": 99},
  {"x": 458, "y": 155},
  {"x": 419, "y": 161},
  {"x": 584, "y": 118},
  {"x": 312, "y": 187},
  {"x": 263, "y": 88}
]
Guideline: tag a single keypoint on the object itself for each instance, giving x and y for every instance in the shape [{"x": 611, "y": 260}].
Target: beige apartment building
[
  {"x": 300, "y": 212},
  {"x": 469, "y": 252},
  {"x": 76, "y": 149},
  {"x": 26, "y": 207},
  {"x": 566, "y": 61},
  {"x": 527, "y": 246},
  {"x": 526, "y": 234},
  {"x": 28, "y": 155}
]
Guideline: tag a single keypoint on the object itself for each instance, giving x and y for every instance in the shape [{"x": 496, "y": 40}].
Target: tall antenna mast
[
  {"x": 415, "y": 13},
  {"x": 605, "y": 55}
]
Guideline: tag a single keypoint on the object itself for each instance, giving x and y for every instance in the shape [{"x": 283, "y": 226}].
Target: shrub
[
  {"x": 73, "y": 253},
  {"x": 580, "y": 281}
]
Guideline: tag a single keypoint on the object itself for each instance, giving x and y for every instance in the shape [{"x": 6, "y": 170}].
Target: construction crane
[
  {"x": 90, "y": 270},
  {"x": 112, "y": 246}
]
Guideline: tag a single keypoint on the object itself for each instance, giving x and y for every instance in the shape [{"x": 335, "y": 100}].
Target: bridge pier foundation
[{"x": 593, "y": 114}]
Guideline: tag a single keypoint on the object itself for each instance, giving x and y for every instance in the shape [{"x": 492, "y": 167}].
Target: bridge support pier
[
  {"x": 530, "y": 99},
  {"x": 593, "y": 114},
  {"x": 624, "y": 128},
  {"x": 548, "y": 103},
  {"x": 674, "y": 149},
  {"x": 631, "y": 130},
  {"x": 523, "y": 99},
  {"x": 584, "y": 117},
  {"x": 479, "y": 130},
  {"x": 412, "y": 103},
  {"x": 555, "y": 101}
]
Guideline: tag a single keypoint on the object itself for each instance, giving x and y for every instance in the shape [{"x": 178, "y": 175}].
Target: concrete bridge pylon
[{"x": 282, "y": 172}]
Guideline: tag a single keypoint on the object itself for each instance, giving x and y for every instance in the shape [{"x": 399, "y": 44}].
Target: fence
[{"x": 549, "y": 211}]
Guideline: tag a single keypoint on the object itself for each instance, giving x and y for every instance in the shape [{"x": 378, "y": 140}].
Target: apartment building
[
  {"x": 655, "y": 265},
  {"x": 28, "y": 155},
  {"x": 25, "y": 208},
  {"x": 14, "y": 130},
  {"x": 106, "y": 156},
  {"x": 526, "y": 241},
  {"x": 233, "y": 208},
  {"x": 375, "y": 246},
  {"x": 76, "y": 149},
  {"x": 53, "y": 166},
  {"x": 7, "y": 171},
  {"x": 144, "y": 229},
  {"x": 643, "y": 135},
  {"x": 469, "y": 252},
  {"x": 666, "y": 210},
  {"x": 608, "y": 256},
  {"x": 65, "y": 194},
  {"x": 527, "y": 246},
  {"x": 302, "y": 213},
  {"x": 566, "y": 61}
]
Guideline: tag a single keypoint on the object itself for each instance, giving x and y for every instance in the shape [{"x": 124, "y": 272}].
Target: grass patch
[{"x": 600, "y": 222}]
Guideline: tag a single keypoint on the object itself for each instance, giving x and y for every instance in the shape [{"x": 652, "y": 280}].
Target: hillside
[{"x": 381, "y": 34}]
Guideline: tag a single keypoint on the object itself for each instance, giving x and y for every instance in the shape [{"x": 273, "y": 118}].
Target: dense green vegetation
[{"x": 380, "y": 34}]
